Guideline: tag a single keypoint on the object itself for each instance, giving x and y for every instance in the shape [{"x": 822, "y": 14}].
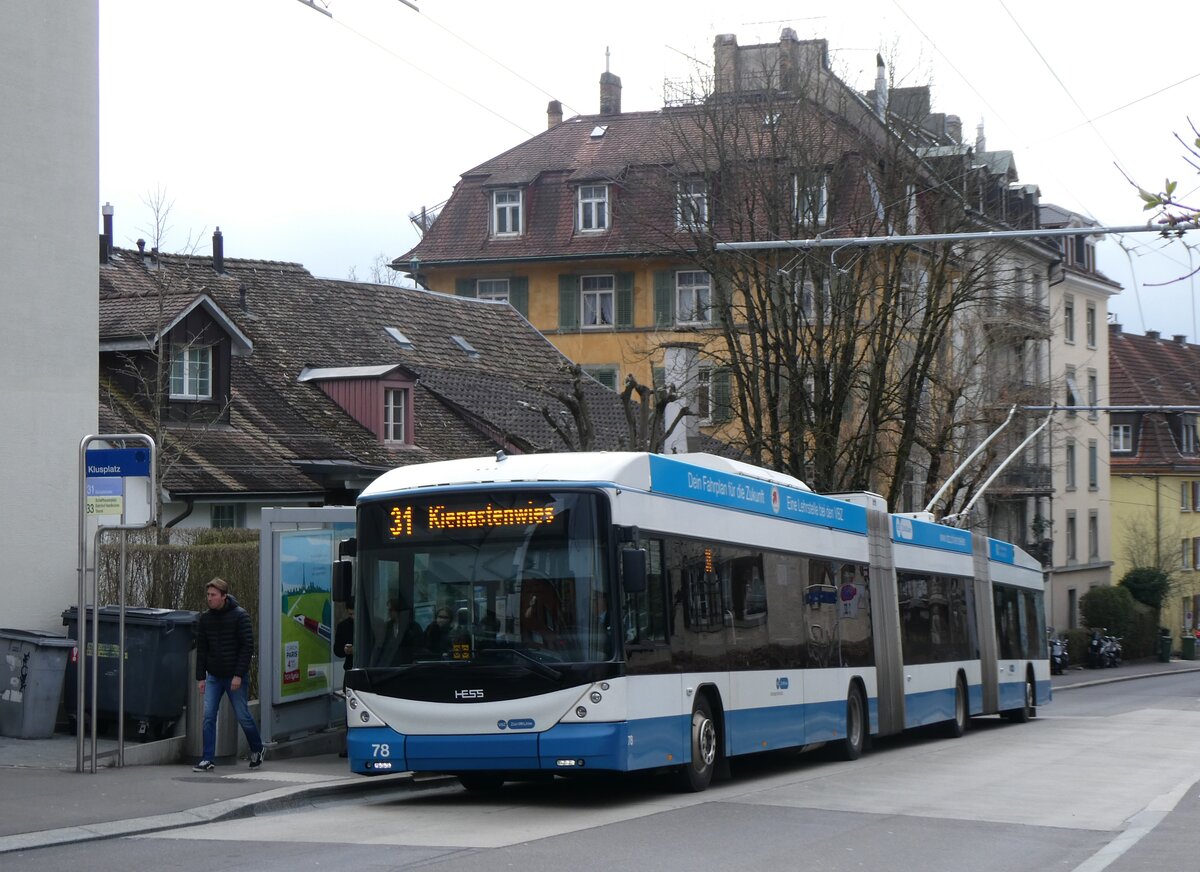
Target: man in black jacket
[{"x": 224, "y": 643}]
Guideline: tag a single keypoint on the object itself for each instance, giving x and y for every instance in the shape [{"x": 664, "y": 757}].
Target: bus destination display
[{"x": 405, "y": 520}]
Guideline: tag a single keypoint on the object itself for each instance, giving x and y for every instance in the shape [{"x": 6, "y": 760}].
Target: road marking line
[{"x": 1140, "y": 825}]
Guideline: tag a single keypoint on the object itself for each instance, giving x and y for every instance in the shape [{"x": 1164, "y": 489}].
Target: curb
[
  {"x": 276, "y": 799},
  {"x": 1116, "y": 678}
]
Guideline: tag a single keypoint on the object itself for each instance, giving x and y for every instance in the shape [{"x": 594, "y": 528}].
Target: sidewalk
[
  {"x": 1079, "y": 677},
  {"x": 46, "y": 802}
]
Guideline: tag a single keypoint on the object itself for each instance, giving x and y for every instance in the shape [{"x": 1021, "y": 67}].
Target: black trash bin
[{"x": 157, "y": 643}]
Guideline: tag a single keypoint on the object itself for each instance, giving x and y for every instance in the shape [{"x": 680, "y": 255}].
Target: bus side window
[{"x": 645, "y": 614}]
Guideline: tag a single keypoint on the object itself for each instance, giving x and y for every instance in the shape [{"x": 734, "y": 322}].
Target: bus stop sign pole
[{"x": 104, "y": 476}]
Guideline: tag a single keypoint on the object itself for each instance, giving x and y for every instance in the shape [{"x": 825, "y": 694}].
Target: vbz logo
[
  {"x": 781, "y": 683},
  {"x": 476, "y": 693}
]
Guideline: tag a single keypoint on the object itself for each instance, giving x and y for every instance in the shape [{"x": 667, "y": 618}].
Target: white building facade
[
  {"x": 49, "y": 187},
  {"x": 1081, "y": 518}
]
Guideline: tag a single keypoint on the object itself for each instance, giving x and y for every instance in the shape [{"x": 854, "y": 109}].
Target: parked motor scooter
[
  {"x": 1059, "y": 658},
  {"x": 1113, "y": 650},
  {"x": 1097, "y": 653}
]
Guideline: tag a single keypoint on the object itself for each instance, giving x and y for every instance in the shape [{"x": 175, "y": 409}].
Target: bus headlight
[
  {"x": 581, "y": 712},
  {"x": 596, "y": 697}
]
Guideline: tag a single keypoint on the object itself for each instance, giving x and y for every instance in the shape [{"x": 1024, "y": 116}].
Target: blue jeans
[{"x": 213, "y": 689}]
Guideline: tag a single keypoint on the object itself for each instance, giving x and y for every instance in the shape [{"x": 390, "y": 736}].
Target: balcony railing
[
  {"x": 1018, "y": 316},
  {"x": 1028, "y": 478}
]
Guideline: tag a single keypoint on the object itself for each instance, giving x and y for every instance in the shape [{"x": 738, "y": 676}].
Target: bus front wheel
[
  {"x": 481, "y": 782},
  {"x": 696, "y": 774}
]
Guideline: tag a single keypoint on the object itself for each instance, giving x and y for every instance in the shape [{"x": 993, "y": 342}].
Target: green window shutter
[
  {"x": 664, "y": 299},
  {"x": 518, "y": 294},
  {"x": 568, "y": 302},
  {"x": 464, "y": 287},
  {"x": 658, "y": 377},
  {"x": 606, "y": 375},
  {"x": 722, "y": 396},
  {"x": 624, "y": 315}
]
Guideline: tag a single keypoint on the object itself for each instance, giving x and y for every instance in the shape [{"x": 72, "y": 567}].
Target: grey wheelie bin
[{"x": 32, "y": 666}]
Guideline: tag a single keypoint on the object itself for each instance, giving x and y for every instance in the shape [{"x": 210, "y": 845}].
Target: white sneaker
[
  {"x": 204, "y": 766},
  {"x": 256, "y": 759}
]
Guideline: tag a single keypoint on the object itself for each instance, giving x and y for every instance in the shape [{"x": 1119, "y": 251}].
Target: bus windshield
[{"x": 482, "y": 576}]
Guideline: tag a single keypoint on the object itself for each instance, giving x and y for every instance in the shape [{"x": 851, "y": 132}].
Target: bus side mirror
[
  {"x": 348, "y": 548},
  {"x": 342, "y": 587},
  {"x": 633, "y": 570}
]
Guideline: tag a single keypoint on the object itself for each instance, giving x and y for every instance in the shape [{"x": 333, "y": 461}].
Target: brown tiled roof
[
  {"x": 632, "y": 155},
  {"x": 283, "y": 433},
  {"x": 1152, "y": 371}
]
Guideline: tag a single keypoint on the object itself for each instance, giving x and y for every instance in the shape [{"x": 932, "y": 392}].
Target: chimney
[
  {"x": 106, "y": 238},
  {"x": 1179, "y": 339},
  {"x": 881, "y": 88},
  {"x": 1152, "y": 334},
  {"x": 1114, "y": 328},
  {"x": 141, "y": 244},
  {"x": 610, "y": 94},
  {"x": 954, "y": 127},
  {"x": 553, "y": 114},
  {"x": 980, "y": 142},
  {"x": 218, "y": 250},
  {"x": 725, "y": 50}
]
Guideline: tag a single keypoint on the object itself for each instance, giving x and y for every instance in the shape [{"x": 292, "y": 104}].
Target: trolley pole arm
[
  {"x": 958, "y": 471},
  {"x": 999, "y": 469}
]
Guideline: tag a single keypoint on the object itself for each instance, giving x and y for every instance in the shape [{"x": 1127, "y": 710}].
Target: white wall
[{"x": 49, "y": 207}]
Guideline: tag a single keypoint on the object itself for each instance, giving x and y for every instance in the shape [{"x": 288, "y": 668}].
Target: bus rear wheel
[
  {"x": 855, "y": 741},
  {"x": 957, "y": 725},
  {"x": 696, "y": 775},
  {"x": 1028, "y": 711}
]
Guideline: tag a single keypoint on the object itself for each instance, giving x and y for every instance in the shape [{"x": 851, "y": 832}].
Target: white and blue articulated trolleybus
[{"x": 616, "y": 612}]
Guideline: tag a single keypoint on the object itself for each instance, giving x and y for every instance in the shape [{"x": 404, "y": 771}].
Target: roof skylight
[
  {"x": 401, "y": 340},
  {"x": 465, "y": 346}
]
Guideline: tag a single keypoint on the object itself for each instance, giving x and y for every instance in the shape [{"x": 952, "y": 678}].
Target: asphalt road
[{"x": 1105, "y": 778}]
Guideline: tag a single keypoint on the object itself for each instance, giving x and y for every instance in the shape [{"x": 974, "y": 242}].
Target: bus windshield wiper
[{"x": 536, "y": 665}]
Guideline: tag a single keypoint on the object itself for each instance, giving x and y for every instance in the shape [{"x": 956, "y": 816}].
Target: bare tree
[
  {"x": 380, "y": 272},
  {"x": 647, "y": 410},
  {"x": 848, "y": 366}
]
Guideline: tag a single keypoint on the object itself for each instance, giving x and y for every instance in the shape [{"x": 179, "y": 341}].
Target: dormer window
[
  {"x": 592, "y": 215},
  {"x": 506, "y": 212},
  {"x": 810, "y": 193},
  {"x": 1187, "y": 434},
  {"x": 395, "y": 415},
  {"x": 191, "y": 372},
  {"x": 692, "y": 212}
]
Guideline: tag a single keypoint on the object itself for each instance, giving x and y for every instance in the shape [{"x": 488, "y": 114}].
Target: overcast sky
[{"x": 311, "y": 139}]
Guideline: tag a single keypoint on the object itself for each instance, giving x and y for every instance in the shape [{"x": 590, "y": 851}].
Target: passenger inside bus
[
  {"x": 399, "y": 638},
  {"x": 541, "y": 613},
  {"x": 437, "y": 634}
]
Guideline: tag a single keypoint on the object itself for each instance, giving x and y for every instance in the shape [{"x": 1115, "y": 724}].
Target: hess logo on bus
[{"x": 473, "y": 693}]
